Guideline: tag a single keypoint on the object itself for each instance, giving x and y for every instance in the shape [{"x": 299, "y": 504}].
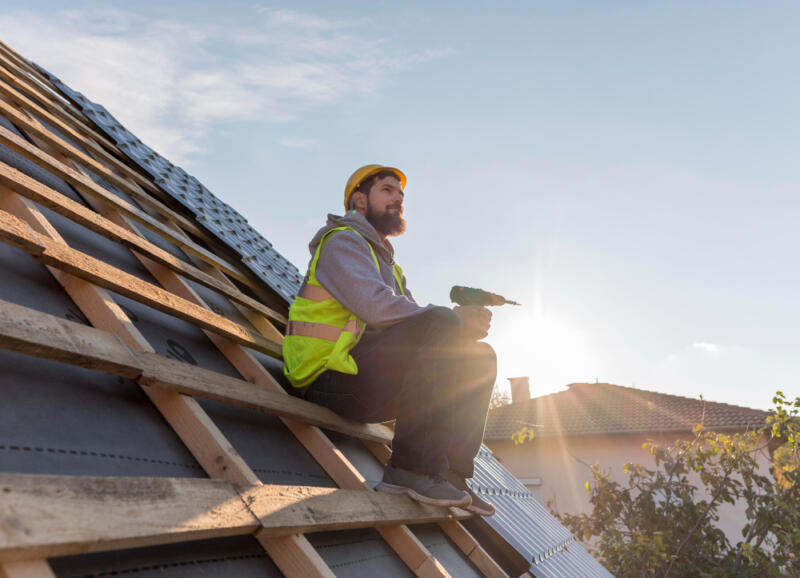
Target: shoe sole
[
  {"x": 477, "y": 510},
  {"x": 392, "y": 489}
]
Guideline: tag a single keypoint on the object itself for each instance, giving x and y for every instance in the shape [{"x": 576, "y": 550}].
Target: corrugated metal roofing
[
  {"x": 226, "y": 223},
  {"x": 525, "y": 524}
]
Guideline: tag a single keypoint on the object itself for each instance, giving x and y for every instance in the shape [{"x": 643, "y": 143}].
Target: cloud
[
  {"x": 170, "y": 82},
  {"x": 298, "y": 143},
  {"x": 709, "y": 347}
]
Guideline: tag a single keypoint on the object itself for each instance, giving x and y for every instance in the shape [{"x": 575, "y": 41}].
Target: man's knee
[
  {"x": 444, "y": 319},
  {"x": 481, "y": 351},
  {"x": 480, "y": 361}
]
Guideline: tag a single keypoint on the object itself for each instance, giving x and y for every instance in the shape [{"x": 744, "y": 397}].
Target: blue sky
[{"x": 626, "y": 170}]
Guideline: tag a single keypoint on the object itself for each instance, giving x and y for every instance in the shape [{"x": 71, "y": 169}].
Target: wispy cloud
[
  {"x": 298, "y": 143},
  {"x": 170, "y": 82},
  {"x": 704, "y": 346}
]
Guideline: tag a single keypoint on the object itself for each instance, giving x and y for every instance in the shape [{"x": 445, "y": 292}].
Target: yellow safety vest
[{"x": 321, "y": 331}]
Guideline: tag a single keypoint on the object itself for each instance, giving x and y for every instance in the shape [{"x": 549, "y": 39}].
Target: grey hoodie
[{"x": 346, "y": 269}]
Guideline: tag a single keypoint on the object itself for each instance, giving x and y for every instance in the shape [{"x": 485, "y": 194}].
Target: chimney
[{"x": 520, "y": 388}]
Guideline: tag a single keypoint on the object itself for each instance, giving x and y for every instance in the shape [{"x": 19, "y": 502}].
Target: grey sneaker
[
  {"x": 433, "y": 490},
  {"x": 477, "y": 505}
]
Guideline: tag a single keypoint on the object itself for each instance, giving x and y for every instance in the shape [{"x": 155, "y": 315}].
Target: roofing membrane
[{"x": 106, "y": 425}]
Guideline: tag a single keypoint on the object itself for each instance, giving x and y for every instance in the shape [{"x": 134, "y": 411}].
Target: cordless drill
[{"x": 469, "y": 296}]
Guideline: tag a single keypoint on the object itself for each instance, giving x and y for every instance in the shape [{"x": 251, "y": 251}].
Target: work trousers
[{"x": 419, "y": 373}]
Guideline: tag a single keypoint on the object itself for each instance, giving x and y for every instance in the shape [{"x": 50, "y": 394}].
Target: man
[{"x": 359, "y": 344}]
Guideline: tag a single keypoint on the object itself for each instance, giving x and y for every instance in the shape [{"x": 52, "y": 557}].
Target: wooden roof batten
[{"x": 65, "y": 515}]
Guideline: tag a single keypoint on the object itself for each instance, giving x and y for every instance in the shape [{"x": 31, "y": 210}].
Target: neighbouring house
[{"x": 605, "y": 424}]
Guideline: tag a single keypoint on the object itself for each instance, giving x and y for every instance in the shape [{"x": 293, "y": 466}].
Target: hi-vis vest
[{"x": 321, "y": 331}]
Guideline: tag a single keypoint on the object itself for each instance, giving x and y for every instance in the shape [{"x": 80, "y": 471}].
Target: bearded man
[{"x": 359, "y": 344}]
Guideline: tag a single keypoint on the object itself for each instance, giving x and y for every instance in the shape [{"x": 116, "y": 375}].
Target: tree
[
  {"x": 500, "y": 397},
  {"x": 662, "y": 523}
]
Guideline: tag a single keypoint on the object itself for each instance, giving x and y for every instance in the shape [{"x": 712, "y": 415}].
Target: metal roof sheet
[
  {"x": 525, "y": 524},
  {"x": 230, "y": 227}
]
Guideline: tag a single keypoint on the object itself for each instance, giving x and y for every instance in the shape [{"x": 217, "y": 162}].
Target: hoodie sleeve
[{"x": 346, "y": 269}]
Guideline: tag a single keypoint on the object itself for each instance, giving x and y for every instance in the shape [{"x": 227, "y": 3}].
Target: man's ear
[{"x": 359, "y": 201}]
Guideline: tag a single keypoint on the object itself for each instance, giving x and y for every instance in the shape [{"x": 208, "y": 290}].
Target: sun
[{"x": 548, "y": 348}]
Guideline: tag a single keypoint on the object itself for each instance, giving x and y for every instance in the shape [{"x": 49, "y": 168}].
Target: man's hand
[{"x": 475, "y": 321}]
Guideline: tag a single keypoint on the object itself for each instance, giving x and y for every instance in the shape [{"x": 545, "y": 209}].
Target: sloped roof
[
  {"x": 605, "y": 408},
  {"x": 94, "y": 397}
]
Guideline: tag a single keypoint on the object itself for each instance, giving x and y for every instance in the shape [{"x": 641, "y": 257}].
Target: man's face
[{"x": 385, "y": 207}]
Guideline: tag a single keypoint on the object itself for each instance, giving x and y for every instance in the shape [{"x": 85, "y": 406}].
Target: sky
[{"x": 625, "y": 170}]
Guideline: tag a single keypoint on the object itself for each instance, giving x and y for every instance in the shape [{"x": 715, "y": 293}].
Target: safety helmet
[{"x": 367, "y": 171}]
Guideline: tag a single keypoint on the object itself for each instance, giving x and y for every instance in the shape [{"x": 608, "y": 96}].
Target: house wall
[{"x": 562, "y": 468}]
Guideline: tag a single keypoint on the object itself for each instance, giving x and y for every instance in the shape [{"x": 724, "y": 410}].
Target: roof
[
  {"x": 135, "y": 369},
  {"x": 605, "y": 408}
]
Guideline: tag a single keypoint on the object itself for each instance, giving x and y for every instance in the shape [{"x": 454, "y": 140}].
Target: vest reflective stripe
[
  {"x": 313, "y": 293},
  {"x": 322, "y": 330},
  {"x": 398, "y": 276}
]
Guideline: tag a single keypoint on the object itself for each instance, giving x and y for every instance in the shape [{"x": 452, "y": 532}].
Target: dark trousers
[{"x": 420, "y": 374}]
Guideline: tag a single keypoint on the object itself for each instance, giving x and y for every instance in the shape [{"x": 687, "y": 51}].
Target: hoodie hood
[{"x": 359, "y": 222}]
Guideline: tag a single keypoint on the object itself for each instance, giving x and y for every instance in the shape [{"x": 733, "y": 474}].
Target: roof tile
[{"x": 605, "y": 408}]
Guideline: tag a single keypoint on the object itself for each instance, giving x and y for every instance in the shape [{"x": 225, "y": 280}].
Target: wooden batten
[
  {"x": 47, "y": 516},
  {"x": 302, "y": 509},
  {"x": 177, "y": 376},
  {"x": 31, "y": 332},
  {"x": 26, "y": 569}
]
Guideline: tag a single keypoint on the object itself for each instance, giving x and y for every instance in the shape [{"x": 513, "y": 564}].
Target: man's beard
[{"x": 390, "y": 224}]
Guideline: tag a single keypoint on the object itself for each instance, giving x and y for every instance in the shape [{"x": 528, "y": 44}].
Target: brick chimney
[{"x": 520, "y": 388}]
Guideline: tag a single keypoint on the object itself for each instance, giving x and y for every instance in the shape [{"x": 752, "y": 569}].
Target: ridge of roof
[{"x": 607, "y": 408}]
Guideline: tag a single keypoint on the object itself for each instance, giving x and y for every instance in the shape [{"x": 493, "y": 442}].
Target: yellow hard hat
[{"x": 367, "y": 171}]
